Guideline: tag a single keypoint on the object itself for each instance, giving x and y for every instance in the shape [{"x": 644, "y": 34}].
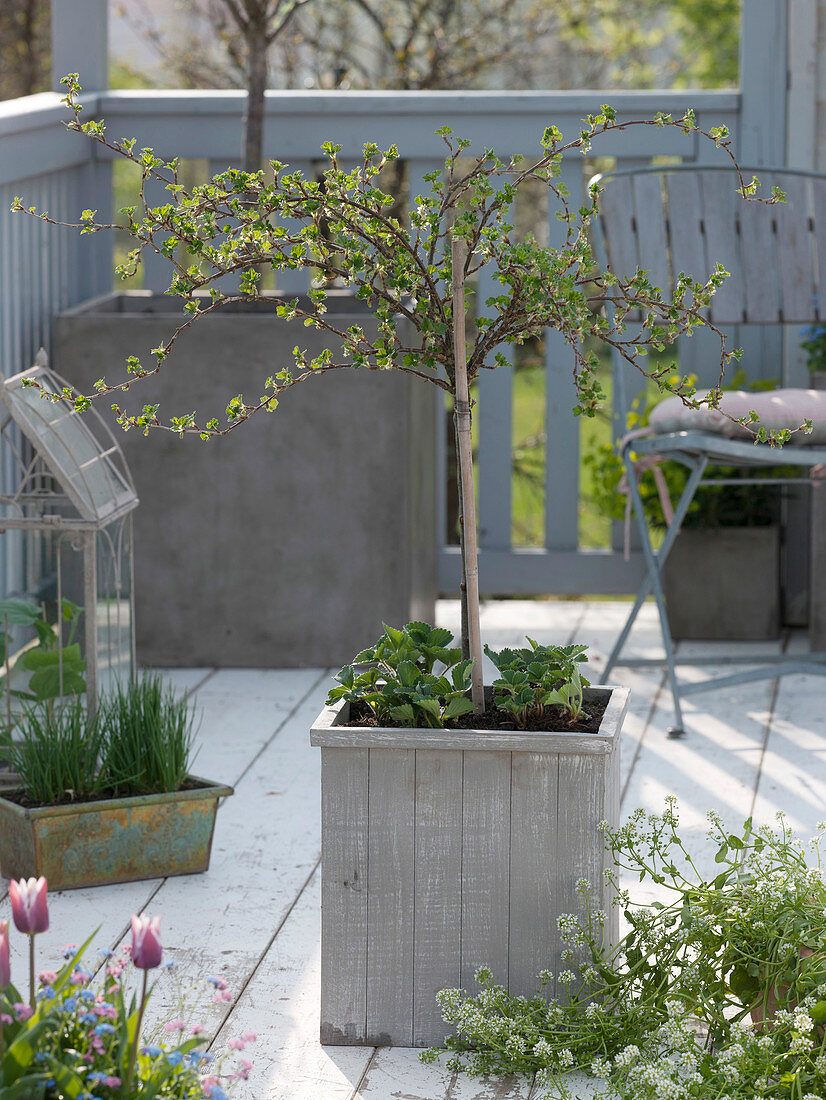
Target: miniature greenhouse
[{"x": 66, "y": 502}]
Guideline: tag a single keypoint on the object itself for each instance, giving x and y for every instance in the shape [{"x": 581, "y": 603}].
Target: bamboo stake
[
  {"x": 468, "y": 499},
  {"x": 8, "y": 669},
  {"x": 463, "y": 585}
]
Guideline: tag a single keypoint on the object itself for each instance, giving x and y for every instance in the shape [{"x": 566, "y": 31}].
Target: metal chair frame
[{"x": 697, "y": 450}]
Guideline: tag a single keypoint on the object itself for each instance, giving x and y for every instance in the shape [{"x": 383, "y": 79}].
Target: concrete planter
[
  {"x": 724, "y": 583},
  {"x": 114, "y": 840},
  {"x": 327, "y": 503},
  {"x": 446, "y": 850}
]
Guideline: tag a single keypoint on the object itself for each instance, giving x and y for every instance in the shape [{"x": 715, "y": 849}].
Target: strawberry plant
[
  {"x": 402, "y": 683},
  {"x": 534, "y": 678}
]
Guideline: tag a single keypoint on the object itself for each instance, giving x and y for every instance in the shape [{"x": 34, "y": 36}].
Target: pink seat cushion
[{"x": 776, "y": 408}]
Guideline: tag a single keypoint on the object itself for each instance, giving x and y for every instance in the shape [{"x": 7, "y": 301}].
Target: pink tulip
[
  {"x": 29, "y": 908},
  {"x": 5, "y": 962},
  {"x": 146, "y": 942}
]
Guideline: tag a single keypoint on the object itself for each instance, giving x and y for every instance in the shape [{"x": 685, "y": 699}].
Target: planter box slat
[
  {"x": 437, "y": 956},
  {"x": 533, "y": 869},
  {"x": 597, "y": 783},
  {"x": 486, "y": 840},
  {"x": 390, "y": 876},
  {"x": 471, "y": 856},
  {"x": 344, "y": 895}
]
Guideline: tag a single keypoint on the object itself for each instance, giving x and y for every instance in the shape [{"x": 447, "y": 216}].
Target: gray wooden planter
[{"x": 446, "y": 850}]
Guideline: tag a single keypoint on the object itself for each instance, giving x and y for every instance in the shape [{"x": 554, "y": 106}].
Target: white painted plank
[
  {"x": 793, "y": 778},
  {"x": 183, "y": 680},
  {"x": 760, "y": 262},
  {"x": 246, "y": 707},
  {"x": 396, "y": 1074},
  {"x": 266, "y": 846},
  {"x": 280, "y": 1005},
  {"x": 796, "y": 253},
  {"x": 649, "y": 211},
  {"x": 284, "y": 686},
  {"x": 720, "y": 207}
]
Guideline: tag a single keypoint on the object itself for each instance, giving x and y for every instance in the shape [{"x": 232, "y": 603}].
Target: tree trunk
[
  {"x": 256, "y": 86},
  {"x": 470, "y": 555},
  {"x": 29, "y": 61}
]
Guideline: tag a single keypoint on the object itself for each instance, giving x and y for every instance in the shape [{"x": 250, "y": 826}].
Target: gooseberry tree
[{"x": 340, "y": 227}]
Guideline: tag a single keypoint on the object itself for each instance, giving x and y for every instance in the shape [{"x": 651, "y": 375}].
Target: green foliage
[
  {"x": 814, "y": 344},
  {"x": 343, "y": 230},
  {"x": 147, "y": 737},
  {"x": 666, "y": 1012},
  {"x": 534, "y": 678},
  {"x": 66, "y": 1051},
  {"x": 399, "y": 683},
  {"x": 56, "y": 753},
  {"x": 25, "y": 1037},
  {"x": 709, "y": 32},
  {"x": 55, "y": 670}
]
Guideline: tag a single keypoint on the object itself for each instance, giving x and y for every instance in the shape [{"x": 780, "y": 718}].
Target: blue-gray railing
[{"x": 44, "y": 269}]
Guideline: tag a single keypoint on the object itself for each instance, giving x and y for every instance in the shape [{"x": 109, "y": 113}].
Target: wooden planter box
[
  {"x": 446, "y": 850},
  {"x": 724, "y": 583},
  {"x": 115, "y": 840}
]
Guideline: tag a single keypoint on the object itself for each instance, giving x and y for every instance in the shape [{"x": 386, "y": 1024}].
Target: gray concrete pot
[
  {"x": 289, "y": 541},
  {"x": 724, "y": 583},
  {"x": 446, "y": 850}
]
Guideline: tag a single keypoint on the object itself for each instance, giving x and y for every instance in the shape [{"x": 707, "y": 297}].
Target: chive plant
[
  {"x": 140, "y": 742},
  {"x": 57, "y": 753},
  {"x": 148, "y": 733}
]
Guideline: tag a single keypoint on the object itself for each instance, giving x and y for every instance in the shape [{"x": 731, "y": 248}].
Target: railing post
[
  {"x": 763, "y": 83},
  {"x": 80, "y": 34},
  {"x": 561, "y": 427},
  {"x": 80, "y": 43},
  {"x": 802, "y": 107}
]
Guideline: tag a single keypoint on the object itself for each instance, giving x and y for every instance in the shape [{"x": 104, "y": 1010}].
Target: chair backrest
[{"x": 684, "y": 218}]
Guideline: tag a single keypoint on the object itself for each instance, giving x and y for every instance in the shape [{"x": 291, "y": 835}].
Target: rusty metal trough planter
[{"x": 115, "y": 840}]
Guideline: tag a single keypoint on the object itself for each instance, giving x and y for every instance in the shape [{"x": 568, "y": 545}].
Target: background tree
[
  {"x": 709, "y": 32},
  {"x": 259, "y": 23},
  {"x": 244, "y": 32},
  {"x": 25, "y": 47}
]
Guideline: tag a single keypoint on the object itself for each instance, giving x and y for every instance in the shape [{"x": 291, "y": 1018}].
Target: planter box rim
[
  {"x": 326, "y": 732},
  {"x": 209, "y": 790}
]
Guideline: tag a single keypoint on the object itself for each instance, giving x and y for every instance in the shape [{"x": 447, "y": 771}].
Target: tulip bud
[
  {"x": 29, "y": 908},
  {"x": 5, "y": 962},
  {"x": 146, "y": 942}
]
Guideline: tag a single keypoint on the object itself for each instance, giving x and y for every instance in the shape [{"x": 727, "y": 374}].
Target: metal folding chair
[{"x": 685, "y": 219}]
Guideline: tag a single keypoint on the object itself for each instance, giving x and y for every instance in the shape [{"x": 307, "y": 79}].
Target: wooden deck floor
[{"x": 254, "y": 917}]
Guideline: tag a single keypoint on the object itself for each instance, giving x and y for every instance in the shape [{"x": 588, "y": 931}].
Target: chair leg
[{"x": 651, "y": 582}]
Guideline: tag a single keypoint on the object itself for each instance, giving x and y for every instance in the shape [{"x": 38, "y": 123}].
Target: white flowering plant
[{"x": 716, "y": 992}]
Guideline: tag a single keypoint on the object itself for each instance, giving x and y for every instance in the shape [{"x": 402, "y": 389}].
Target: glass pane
[
  {"x": 114, "y": 605},
  {"x": 71, "y": 449}
]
